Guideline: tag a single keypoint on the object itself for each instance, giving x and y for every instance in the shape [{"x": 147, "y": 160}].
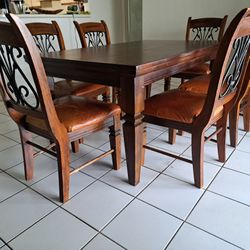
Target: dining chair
[
  {"x": 242, "y": 105},
  {"x": 196, "y": 112},
  {"x": 45, "y": 35},
  {"x": 209, "y": 28},
  {"x": 93, "y": 34},
  {"x": 28, "y": 100},
  {"x": 48, "y": 37}
]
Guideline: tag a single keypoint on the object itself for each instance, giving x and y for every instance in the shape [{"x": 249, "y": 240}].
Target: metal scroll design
[
  {"x": 233, "y": 72},
  {"x": 45, "y": 42},
  {"x": 204, "y": 33},
  {"x": 95, "y": 39},
  {"x": 15, "y": 82}
]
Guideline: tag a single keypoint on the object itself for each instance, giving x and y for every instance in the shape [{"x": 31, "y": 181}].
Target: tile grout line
[
  {"x": 36, "y": 222},
  {"x": 228, "y": 198},
  {"x": 57, "y": 206},
  {"x": 236, "y": 171},
  {"x": 205, "y": 191},
  {"x": 134, "y": 197},
  {"x": 216, "y": 236}
]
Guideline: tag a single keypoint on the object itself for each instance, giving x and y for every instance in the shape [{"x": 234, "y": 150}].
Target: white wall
[
  {"x": 113, "y": 12},
  {"x": 166, "y": 19}
]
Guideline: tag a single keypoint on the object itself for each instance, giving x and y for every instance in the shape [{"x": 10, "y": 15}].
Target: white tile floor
[{"x": 165, "y": 211}]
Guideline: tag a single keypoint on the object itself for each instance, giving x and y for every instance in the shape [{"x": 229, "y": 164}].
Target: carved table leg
[{"x": 132, "y": 102}]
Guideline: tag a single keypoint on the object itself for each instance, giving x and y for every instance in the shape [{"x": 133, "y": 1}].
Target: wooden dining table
[{"x": 130, "y": 66}]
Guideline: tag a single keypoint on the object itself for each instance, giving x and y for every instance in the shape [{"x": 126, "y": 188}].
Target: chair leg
[
  {"x": 106, "y": 96},
  {"x": 171, "y": 136},
  {"x": 117, "y": 99},
  {"x": 233, "y": 125},
  {"x": 144, "y": 141},
  {"x": 221, "y": 139},
  {"x": 246, "y": 118},
  {"x": 148, "y": 91},
  {"x": 198, "y": 157},
  {"x": 27, "y": 153},
  {"x": 75, "y": 146},
  {"x": 63, "y": 170},
  {"x": 115, "y": 141},
  {"x": 180, "y": 132},
  {"x": 115, "y": 95},
  {"x": 167, "y": 82},
  {"x": 81, "y": 140}
]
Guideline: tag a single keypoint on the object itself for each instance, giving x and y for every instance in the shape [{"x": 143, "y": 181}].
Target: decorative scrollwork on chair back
[
  {"x": 204, "y": 33},
  {"x": 16, "y": 83},
  {"x": 234, "y": 69},
  {"x": 45, "y": 42},
  {"x": 95, "y": 39}
]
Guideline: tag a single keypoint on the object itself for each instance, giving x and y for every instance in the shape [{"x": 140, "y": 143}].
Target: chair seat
[
  {"x": 76, "y": 113},
  {"x": 200, "y": 69},
  {"x": 78, "y": 88},
  {"x": 177, "y": 105},
  {"x": 198, "y": 84}
]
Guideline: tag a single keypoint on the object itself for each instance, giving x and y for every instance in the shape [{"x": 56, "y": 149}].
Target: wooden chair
[
  {"x": 45, "y": 35},
  {"x": 209, "y": 28},
  {"x": 94, "y": 34},
  {"x": 29, "y": 103},
  {"x": 48, "y": 37},
  {"x": 196, "y": 112},
  {"x": 200, "y": 85}
]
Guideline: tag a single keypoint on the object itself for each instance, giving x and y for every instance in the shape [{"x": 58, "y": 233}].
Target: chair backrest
[
  {"x": 48, "y": 36},
  {"x": 230, "y": 73},
  {"x": 24, "y": 93},
  {"x": 209, "y": 28},
  {"x": 93, "y": 34}
]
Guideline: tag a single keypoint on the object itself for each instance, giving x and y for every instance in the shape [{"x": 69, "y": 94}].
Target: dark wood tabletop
[
  {"x": 136, "y": 58},
  {"x": 130, "y": 66}
]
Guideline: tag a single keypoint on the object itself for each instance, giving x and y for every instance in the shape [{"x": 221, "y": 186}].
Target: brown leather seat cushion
[
  {"x": 78, "y": 112},
  {"x": 198, "y": 84},
  {"x": 199, "y": 69},
  {"x": 78, "y": 88},
  {"x": 176, "y": 105}
]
